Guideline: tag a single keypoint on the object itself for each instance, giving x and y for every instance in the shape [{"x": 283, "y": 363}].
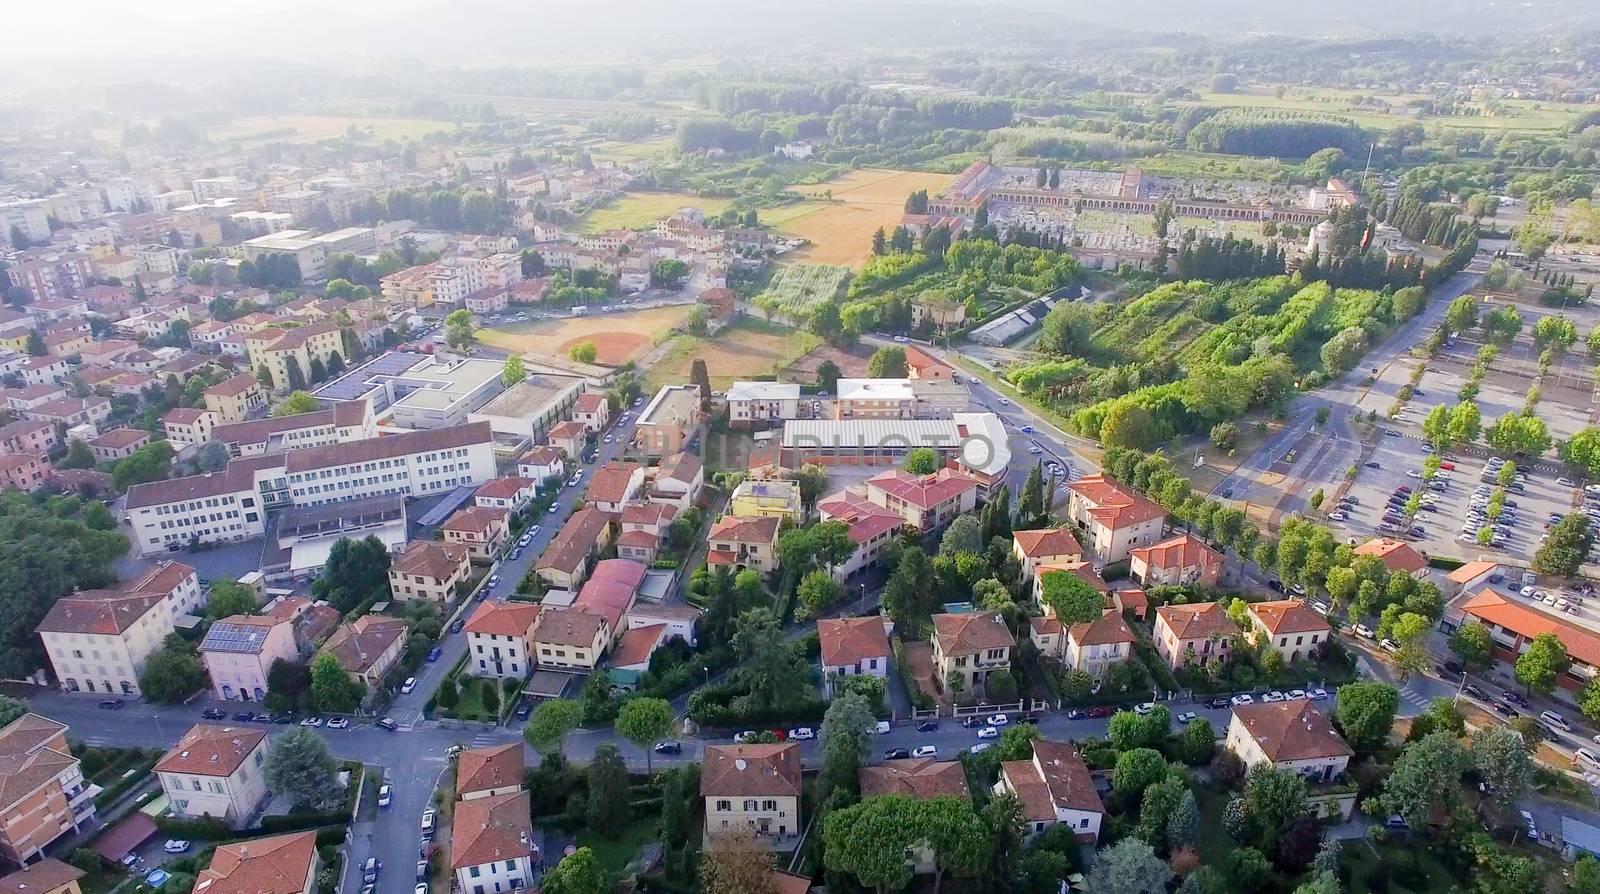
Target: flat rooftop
[{"x": 531, "y": 396}]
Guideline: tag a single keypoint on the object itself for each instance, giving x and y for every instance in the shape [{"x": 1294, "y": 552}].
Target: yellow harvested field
[
  {"x": 618, "y": 338},
  {"x": 736, "y": 353},
  {"x": 312, "y": 128},
  {"x": 841, "y": 230},
  {"x": 641, "y": 209}
]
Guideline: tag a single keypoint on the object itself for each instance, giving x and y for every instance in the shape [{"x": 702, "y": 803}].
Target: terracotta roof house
[
  {"x": 43, "y": 795},
  {"x": 752, "y": 787},
  {"x": 1472, "y": 576},
  {"x": 1096, "y": 645},
  {"x": 482, "y": 530},
  {"x": 871, "y": 527},
  {"x": 970, "y": 645},
  {"x": 369, "y": 647},
  {"x": 484, "y": 772},
  {"x": 1050, "y": 546},
  {"x": 1197, "y": 632},
  {"x": 1184, "y": 559},
  {"x": 277, "y": 864},
  {"x": 914, "y": 777},
  {"x": 634, "y": 649},
  {"x": 614, "y": 484},
  {"x": 853, "y": 646},
  {"x": 500, "y": 639},
  {"x": 510, "y": 492},
  {"x": 491, "y": 842},
  {"x": 47, "y": 876},
  {"x": 1397, "y": 555},
  {"x": 1290, "y": 626},
  {"x": 1117, "y": 517},
  {"x": 565, "y": 562},
  {"x": 1054, "y": 787},
  {"x": 740, "y": 543},
  {"x": 1291, "y": 735},
  {"x": 429, "y": 569},
  {"x": 928, "y": 501},
  {"x": 216, "y": 771}
]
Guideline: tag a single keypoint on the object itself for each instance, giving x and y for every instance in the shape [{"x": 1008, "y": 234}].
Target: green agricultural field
[
  {"x": 798, "y": 290},
  {"x": 635, "y": 211}
]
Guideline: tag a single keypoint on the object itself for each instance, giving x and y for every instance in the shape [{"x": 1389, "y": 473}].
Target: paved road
[{"x": 1339, "y": 397}]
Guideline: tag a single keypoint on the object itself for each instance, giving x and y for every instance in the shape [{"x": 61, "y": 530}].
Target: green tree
[
  {"x": 296, "y": 403},
  {"x": 228, "y": 598},
  {"x": 846, "y": 741},
  {"x": 1198, "y": 742},
  {"x": 825, "y": 322},
  {"x": 1566, "y": 547},
  {"x": 152, "y": 462},
  {"x": 448, "y": 694},
  {"x": 1544, "y": 661},
  {"x": 1519, "y": 434},
  {"x": 1129, "y": 867},
  {"x": 642, "y": 721},
  {"x": 332, "y": 690},
  {"x": 11, "y": 709},
  {"x": 79, "y": 456},
  {"x": 922, "y": 461},
  {"x": 1072, "y": 598},
  {"x": 1273, "y": 800},
  {"x": 514, "y": 371},
  {"x": 546, "y": 731},
  {"x": 608, "y": 807},
  {"x": 1128, "y": 425},
  {"x": 869, "y": 840},
  {"x": 1426, "y": 778},
  {"x": 1137, "y": 769},
  {"x": 965, "y": 535},
  {"x": 817, "y": 593},
  {"x": 700, "y": 375},
  {"x": 1365, "y": 713},
  {"x": 768, "y": 666},
  {"x": 828, "y": 374},
  {"x": 577, "y": 873},
  {"x": 888, "y": 363},
  {"x": 584, "y": 352},
  {"x": 1501, "y": 757},
  {"x": 172, "y": 674},
  {"x": 1586, "y": 875},
  {"x": 1225, "y": 435},
  {"x": 300, "y": 767},
  {"x": 356, "y": 571},
  {"x": 1462, "y": 314},
  {"x": 458, "y": 328},
  {"x": 1471, "y": 643}
]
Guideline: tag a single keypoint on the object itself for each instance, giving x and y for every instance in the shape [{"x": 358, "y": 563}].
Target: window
[
  {"x": 474, "y": 872},
  {"x": 724, "y": 805}
]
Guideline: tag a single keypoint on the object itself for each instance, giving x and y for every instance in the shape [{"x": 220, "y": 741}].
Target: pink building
[{"x": 239, "y": 651}]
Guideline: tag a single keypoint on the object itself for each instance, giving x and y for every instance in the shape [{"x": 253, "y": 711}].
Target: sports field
[
  {"x": 841, "y": 230},
  {"x": 618, "y": 338},
  {"x": 1515, "y": 115},
  {"x": 637, "y": 210},
  {"x": 312, "y": 128},
  {"x": 747, "y": 348}
]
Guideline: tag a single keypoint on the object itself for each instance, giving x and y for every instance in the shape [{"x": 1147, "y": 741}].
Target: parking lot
[{"x": 1526, "y": 514}]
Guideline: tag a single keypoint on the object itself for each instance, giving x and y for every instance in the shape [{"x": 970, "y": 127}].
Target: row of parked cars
[{"x": 287, "y": 719}]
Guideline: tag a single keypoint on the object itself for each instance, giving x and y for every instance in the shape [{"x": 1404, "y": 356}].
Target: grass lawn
[
  {"x": 470, "y": 706},
  {"x": 1214, "y": 845},
  {"x": 615, "y": 853},
  {"x": 637, "y": 210},
  {"x": 742, "y": 350}
]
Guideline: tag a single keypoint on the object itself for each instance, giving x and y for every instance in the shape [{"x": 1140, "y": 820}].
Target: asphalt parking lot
[{"x": 1396, "y": 456}]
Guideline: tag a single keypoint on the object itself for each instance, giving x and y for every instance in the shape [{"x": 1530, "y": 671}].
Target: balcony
[{"x": 81, "y": 801}]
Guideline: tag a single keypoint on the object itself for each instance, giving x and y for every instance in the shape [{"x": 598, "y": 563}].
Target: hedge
[
  {"x": 1446, "y": 563},
  {"x": 215, "y": 830}
]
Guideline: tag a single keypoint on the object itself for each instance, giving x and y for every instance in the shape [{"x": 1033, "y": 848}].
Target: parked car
[
  {"x": 311, "y": 721},
  {"x": 743, "y": 737},
  {"x": 1187, "y": 717},
  {"x": 1219, "y": 701},
  {"x": 338, "y": 723},
  {"x": 387, "y": 723},
  {"x": 435, "y": 652},
  {"x": 1515, "y": 697},
  {"x": 924, "y": 751},
  {"x": 668, "y": 747},
  {"x": 997, "y": 720},
  {"x": 1551, "y": 718},
  {"x": 1317, "y": 695},
  {"x": 928, "y": 726},
  {"x": 1101, "y": 711},
  {"x": 176, "y": 845},
  {"x": 112, "y": 704},
  {"x": 988, "y": 732},
  {"x": 1273, "y": 697},
  {"x": 895, "y": 754},
  {"x": 408, "y": 686},
  {"x": 1243, "y": 698},
  {"x": 1144, "y": 707},
  {"x": 385, "y": 795},
  {"x": 213, "y": 714},
  {"x": 1363, "y": 631},
  {"x": 802, "y": 733}
]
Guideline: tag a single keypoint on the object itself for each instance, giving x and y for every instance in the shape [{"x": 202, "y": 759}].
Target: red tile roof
[
  {"x": 492, "y": 618},
  {"x": 1048, "y": 542},
  {"x": 846, "y": 641},
  {"x": 866, "y": 518},
  {"x": 1104, "y": 630},
  {"x": 476, "y": 519},
  {"x": 1198, "y": 620},
  {"x": 1291, "y": 731},
  {"x": 278, "y": 864},
  {"x": 914, "y": 777},
  {"x": 492, "y": 829},
  {"x": 1055, "y": 777},
  {"x": 505, "y": 487},
  {"x": 750, "y": 770},
  {"x": 1288, "y": 616},
  {"x": 481, "y": 769},
  {"x": 1468, "y": 572},
  {"x": 924, "y": 491},
  {"x": 1527, "y": 622},
  {"x": 967, "y": 634},
  {"x": 637, "y": 645},
  {"x": 589, "y": 402},
  {"x": 1114, "y": 505},
  {"x": 207, "y": 750},
  {"x": 1397, "y": 555},
  {"x": 1182, "y": 551},
  {"x": 610, "y": 482},
  {"x": 433, "y": 559},
  {"x": 743, "y": 529}
]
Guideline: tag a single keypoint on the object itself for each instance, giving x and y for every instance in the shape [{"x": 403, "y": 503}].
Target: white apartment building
[
  {"x": 753, "y": 403},
  {"x": 500, "y": 639},
  {"x": 231, "y": 505}
]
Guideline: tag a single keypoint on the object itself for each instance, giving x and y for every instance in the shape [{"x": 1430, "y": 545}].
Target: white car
[
  {"x": 1187, "y": 717},
  {"x": 997, "y": 720},
  {"x": 494, "y": 581},
  {"x": 981, "y": 746},
  {"x": 988, "y": 732},
  {"x": 802, "y": 732},
  {"x": 385, "y": 795},
  {"x": 408, "y": 686},
  {"x": 1389, "y": 645},
  {"x": 1295, "y": 695},
  {"x": 741, "y": 738},
  {"x": 338, "y": 723},
  {"x": 1566, "y": 482},
  {"x": 924, "y": 751},
  {"x": 609, "y": 439},
  {"x": 311, "y": 721},
  {"x": 175, "y": 845},
  {"x": 1273, "y": 696},
  {"x": 1243, "y": 698},
  {"x": 1337, "y": 516},
  {"x": 1317, "y": 695},
  {"x": 1528, "y": 592},
  {"x": 1413, "y": 473},
  {"x": 1363, "y": 630},
  {"x": 1556, "y": 720},
  {"x": 1144, "y": 707}
]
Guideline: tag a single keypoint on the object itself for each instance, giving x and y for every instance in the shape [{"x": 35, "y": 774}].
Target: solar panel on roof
[{"x": 233, "y": 638}]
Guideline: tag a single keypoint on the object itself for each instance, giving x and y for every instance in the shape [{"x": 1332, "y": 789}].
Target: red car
[
  {"x": 1102, "y": 711},
  {"x": 782, "y": 734},
  {"x": 1448, "y": 466}
]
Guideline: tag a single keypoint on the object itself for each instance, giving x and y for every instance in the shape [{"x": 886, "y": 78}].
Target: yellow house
[
  {"x": 970, "y": 646},
  {"x": 751, "y": 788},
  {"x": 234, "y": 399},
  {"x": 570, "y": 638},
  {"x": 761, "y": 497},
  {"x": 277, "y": 348}
]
